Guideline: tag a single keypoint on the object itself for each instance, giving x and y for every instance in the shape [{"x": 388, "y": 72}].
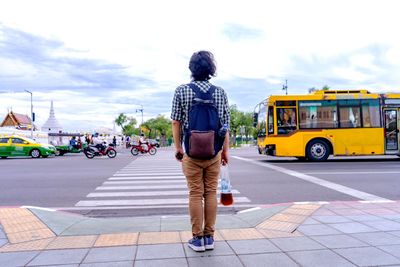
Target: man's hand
[
  {"x": 224, "y": 157},
  {"x": 179, "y": 154}
]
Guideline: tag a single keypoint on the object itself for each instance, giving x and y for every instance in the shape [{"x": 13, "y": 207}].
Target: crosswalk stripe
[
  {"x": 145, "y": 194},
  {"x": 145, "y": 182},
  {"x": 146, "y": 178},
  {"x": 131, "y": 202},
  {"x": 138, "y": 187},
  {"x": 147, "y": 174}
]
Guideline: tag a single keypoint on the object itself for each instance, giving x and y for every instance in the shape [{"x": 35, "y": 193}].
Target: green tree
[
  {"x": 126, "y": 123},
  {"x": 159, "y": 126},
  {"x": 325, "y": 88}
]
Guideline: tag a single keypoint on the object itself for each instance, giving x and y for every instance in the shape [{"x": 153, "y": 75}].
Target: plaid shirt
[{"x": 183, "y": 99}]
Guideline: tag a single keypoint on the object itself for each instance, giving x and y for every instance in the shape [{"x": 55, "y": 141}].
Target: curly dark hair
[{"x": 202, "y": 65}]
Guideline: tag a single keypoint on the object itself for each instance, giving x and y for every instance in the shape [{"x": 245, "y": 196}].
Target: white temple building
[{"x": 52, "y": 125}]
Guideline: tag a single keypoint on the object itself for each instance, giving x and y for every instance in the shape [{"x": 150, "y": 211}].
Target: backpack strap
[{"x": 200, "y": 96}]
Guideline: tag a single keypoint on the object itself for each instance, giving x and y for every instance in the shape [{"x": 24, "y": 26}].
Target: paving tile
[
  {"x": 16, "y": 259},
  {"x": 391, "y": 217},
  {"x": 317, "y": 229},
  {"x": 108, "y": 240},
  {"x": 337, "y": 206},
  {"x": 310, "y": 220},
  {"x": 306, "y": 206},
  {"x": 126, "y": 253},
  {"x": 339, "y": 241},
  {"x": 30, "y": 235},
  {"x": 64, "y": 242},
  {"x": 187, "y": 235},
  {"x": 64, "y": 256},
  {"x": 27, "y": 246},
  {"x": 317, "y": 258},
  {"x": 159, "y": 238},
  {"x": 14, "y": 212},
  {"x": 163, "y": 262},
  {"x": 278, "y": 226},
  {"x": 16, "y": 227},
  {"x": 296, "y": 243},
  {"x": 240, "y": 234},
  {"x": 107, "y": 264},
  {"x": 253, "y": 246},
  {"x": 278, "y": 234},
  {"x": 162, "y": 251},
  {"x": 270, "y": 259},
  {"x": 288, "y": 218},
  {"x": 384, "y": 225},
  {"x": 381, "y": 211},
  {"x": 220, "y": 248},
  {"x": 181, "y": 223},
  {"x": 378, "y": 239},
  {"x": 363, "y": 218},
  {"x": 331, "y": 219},
  {"x": 323, "y": 211},
  {"x": 396, "y": 233},
  {"x": 3, "y": 241},
  {"x": 349, "y": 212},
  {"x": 255, "y": 217},
  {"x": 297, "y": 211},
  {"x": 353, "y": 227},
  {"x": 393, "y": 250},
  {"x": 2, "y": 234},
  {"x": 216, "y": 261},
  {"x": 368, "y": 256}
]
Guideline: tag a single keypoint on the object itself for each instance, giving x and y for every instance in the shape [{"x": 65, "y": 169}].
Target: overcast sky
[{"x": 96, "y": 59}]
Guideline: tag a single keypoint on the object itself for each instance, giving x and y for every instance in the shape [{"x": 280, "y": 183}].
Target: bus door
[{"x": 392, "y": 124}]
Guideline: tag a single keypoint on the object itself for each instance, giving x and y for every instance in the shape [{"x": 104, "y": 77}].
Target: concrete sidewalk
[{"x": 310, "y": 234}]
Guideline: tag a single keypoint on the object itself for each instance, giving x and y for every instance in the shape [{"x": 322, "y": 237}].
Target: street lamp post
[
  {"x": 32, "y": 116},
  {"x": 284, "y": 87},
  {"x": 140, "y": 110}
]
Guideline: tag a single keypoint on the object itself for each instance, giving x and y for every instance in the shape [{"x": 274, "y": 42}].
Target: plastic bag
[{"x": 226, "y": 198}]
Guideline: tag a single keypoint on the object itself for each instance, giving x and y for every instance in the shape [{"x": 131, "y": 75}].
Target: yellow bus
[{"x": 323, "y": 123}]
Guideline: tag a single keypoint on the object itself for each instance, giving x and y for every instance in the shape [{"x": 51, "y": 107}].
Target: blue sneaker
[
  {"x": 209, "y": 242},
  {"x": 197, "y": 244}
]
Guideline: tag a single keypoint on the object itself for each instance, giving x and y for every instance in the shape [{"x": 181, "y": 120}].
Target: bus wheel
[{"x": 317, "y": 150}]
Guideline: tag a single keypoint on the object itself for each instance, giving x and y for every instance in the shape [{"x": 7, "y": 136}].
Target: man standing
[{"x": 201, "y": 173}]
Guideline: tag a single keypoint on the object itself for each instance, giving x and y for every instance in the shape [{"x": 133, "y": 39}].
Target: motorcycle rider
[
  {"x": 98, "y": 142},
  {"x": 143, "y": 142}
]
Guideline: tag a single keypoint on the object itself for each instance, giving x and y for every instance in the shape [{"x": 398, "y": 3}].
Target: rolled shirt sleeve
[{"x": 176, "y": 113}]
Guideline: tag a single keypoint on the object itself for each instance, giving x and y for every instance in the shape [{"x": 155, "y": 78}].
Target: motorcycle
[
  {"x": 92, "y": 151},
  {"x": 143, "y": 148}
]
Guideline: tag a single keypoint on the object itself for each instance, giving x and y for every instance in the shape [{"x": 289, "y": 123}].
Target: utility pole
[
  {"x": 284, "y": 87},
  {"x": 140, "y": 110},
  {"x": 32, "y": 115}
]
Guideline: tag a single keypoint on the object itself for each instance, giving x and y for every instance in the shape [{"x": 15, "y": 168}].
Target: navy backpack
[{"x": 204, "y": 136}]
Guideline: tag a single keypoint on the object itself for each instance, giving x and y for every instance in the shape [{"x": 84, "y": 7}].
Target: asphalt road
[{"x": 144, "y": 185}]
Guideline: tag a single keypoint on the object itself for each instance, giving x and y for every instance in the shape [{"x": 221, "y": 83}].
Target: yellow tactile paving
[
  {"x": 288, "y": 218},
  {"x": 306, "y": 206},
  {"x": 240, "y": 234},
  {"x": 27, "y": 246},
  {"x": 109, "y": 240},
  {"x": 66, "y": 242},
  {"x": 30, "y": 235},
  {"x": 278, "y": 226},
  {"x": 277, "y": 234},
  {"x": 15, "y": 226},
  {"x": 6, "y": 213},
  {"x": 159, "y": 238},
  {"x": 297, "y": 211}
]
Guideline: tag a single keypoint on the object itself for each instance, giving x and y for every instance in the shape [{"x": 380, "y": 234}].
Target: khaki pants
[{"x": 202, "y": 180}]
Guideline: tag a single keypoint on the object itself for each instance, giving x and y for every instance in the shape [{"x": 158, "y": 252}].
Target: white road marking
[
  {"x": 146, "y": 194},
  {"x": 354, "y": 172},
  {"x": 337, "y": 187},
  {"x": 148, "y": 174},
  {"x": 140, "y": 187},
  {"x": 143, "y": 202},
  {"x": 146, "y": 182},
  {"x": 146, "y": 178}
]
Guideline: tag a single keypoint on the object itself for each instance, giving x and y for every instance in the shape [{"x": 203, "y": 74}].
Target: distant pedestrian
[
  {"x": 201, "y": 173},
  {"x": 114, "y": 141}
]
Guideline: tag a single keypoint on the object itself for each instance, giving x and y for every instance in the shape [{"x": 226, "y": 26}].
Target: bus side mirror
[{"x": 255, "y": 119}]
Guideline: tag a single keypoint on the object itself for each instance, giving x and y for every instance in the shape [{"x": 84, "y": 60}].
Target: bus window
[
  {"x": 349, "y": 112},
  {"x": 286, "y": 120},
  {"x": 370, "y": 113},
  {"x": 271, "y": 120},
  {"x": 318, "y": 114},
  {"x": 262, "y": 118}
]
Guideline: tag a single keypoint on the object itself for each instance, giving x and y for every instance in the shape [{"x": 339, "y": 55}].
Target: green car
[{"x": 17, "y": 146}]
